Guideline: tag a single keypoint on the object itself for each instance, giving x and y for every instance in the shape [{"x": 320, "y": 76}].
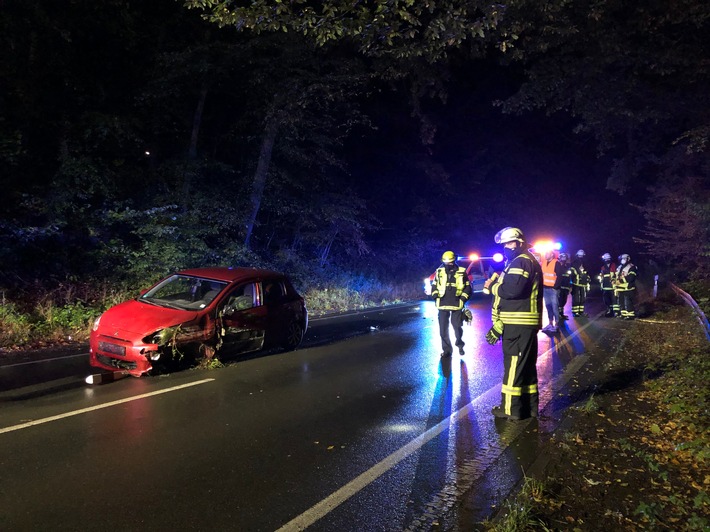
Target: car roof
[{"x": 230, "y": 274}]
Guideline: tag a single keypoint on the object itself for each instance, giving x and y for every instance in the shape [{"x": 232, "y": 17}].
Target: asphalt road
[{"x": 362, "y": 428}]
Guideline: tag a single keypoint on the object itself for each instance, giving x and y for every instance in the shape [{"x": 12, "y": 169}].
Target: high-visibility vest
[
  {"x": 441, "y": 282},
  {"x": 549, "y": 277}
]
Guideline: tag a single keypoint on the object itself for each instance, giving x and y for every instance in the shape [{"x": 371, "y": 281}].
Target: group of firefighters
[
  {"x": 518, "y": 293},
  {"x": 560, "y": 278}
]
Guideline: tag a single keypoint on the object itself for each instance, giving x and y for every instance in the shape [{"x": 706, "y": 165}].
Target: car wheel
[{"x": 294, "y": 335}]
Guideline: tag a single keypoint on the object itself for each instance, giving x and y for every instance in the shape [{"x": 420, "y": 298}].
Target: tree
[
  {"x": 396, "y": 28},
  {"x": 635, "y": 75}
]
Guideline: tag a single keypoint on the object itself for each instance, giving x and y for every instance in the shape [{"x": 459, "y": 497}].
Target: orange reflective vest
[{"x": 549, "y": 277}]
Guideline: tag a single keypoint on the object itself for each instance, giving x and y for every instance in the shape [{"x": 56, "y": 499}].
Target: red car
[{"x": 199, "y": 313}]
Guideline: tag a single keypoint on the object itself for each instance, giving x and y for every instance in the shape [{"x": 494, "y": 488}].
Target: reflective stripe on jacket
[
  {"x": 517, "y": 300},
  {"x": 461, "y": 284},
  {"x": 626, "y": 278},
  {"x": 549, "y": 277}
]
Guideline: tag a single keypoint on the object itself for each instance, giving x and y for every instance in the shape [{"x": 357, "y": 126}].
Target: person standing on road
[
  {"x": 626, "y": 287},
  {"x": 517, "y": 304},
  {"x": 552, "y": 272},
  {"x": 580, "y": 284},
  {"x": 451, "y": 290},
  {"x": 565, "y": 285},
  {"x": 607, "y": 276}
]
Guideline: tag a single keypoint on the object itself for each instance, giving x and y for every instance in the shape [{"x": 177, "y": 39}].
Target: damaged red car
[{"x": 199, "y": 313}]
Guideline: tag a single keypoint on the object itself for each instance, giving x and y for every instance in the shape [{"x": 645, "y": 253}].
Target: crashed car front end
[{"x": 118, "y": 349}]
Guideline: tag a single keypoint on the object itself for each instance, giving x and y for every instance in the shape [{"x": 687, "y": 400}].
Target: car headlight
[
  {"x": 96, "y": 323},
  {"x": 157, "y": 337}
]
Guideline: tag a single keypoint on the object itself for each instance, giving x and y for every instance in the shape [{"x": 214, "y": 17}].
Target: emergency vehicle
[{"x": 479, "y": 269}]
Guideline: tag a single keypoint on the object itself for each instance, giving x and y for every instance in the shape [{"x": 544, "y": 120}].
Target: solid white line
[
  {"x": 335, "y": 499},
  {"x": 338, "y": 497},
  {"x": 99, "y": 407}
]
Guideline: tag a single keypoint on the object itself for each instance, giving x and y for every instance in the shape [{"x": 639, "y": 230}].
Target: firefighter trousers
[
  {"x": 519, "y": 394},
  {"x": 455, "y": 317},
  {"x": 626, "y": 304},
  {"x": 579, "y": 298},
  {"x": 608, "y": 298}
]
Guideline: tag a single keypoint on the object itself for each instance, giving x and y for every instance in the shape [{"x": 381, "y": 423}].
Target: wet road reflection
[{"x": 365, "y": 420}]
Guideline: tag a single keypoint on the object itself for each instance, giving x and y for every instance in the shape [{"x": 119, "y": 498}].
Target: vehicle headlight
[
  {"x": 157, "y": 337},
  {"x": 96, "y": 323}
]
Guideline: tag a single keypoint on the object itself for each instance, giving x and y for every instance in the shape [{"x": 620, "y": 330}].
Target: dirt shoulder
[{"x": 632, "y": 453}]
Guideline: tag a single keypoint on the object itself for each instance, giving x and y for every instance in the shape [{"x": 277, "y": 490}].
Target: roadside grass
[
  {"x": 636, "y": 457},
  {"x": 66, "y": 314}
]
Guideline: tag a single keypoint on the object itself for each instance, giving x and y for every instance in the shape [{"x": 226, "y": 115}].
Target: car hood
[{"x": 141, "y": 318}]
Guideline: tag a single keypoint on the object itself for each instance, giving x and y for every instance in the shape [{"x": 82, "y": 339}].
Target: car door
[
  {"x": 242, "y": 319},
  {"x": 279, "y": 313}
]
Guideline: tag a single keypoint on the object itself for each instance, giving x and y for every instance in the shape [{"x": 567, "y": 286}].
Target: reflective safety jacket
[
  {"x": 608, "y": 276},
  {"x": 451, "y": 290},
  {"x": 579, "y": 274},
  {"x": 564, "y": 277},
  {"x": 552, "y": 272},
  {"x": 517, "y": 294},
  {"x": 626, "y": 278}
]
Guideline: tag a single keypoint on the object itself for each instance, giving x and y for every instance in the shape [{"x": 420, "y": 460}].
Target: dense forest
[{"x": 347, "y": 143}]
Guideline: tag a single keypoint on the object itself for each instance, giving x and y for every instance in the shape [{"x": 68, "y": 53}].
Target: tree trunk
[
  {"x": 326, "y": 249},
  {"x": 192, "y": 150},
  {"x": 262, "y": 170}
]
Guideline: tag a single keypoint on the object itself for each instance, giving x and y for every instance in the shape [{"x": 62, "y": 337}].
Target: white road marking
[
  {"x": 338, "y": 497},
  {"x": 44, "y": 360},
  {"x": 99, "y": 407}
]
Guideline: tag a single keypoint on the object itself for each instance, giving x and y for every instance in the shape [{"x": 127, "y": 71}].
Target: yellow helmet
[{"x": 448, "y": 257}]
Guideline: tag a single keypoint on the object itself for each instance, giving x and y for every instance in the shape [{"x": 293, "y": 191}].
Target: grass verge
[{"x": 635, "y": 456}]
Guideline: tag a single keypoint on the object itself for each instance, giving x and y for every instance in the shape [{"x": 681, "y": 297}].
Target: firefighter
[
  {"x": 451, "y": 290},
  {"x": 579, "y": 276},
  {"x": 552, "y": 272},
  {"x": 607, "y": 276},
  {"x": 626, "y": 286},
  {"x": 565, "y": 283},
  {"x": 517, "y": 305}
]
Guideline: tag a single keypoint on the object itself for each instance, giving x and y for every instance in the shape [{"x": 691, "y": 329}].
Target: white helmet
[
  {"x": 564, "y": 256},
  {"x": 509, "y": 234},
  {"x": 606, "y": 257},
  {"x": 625, "y": 257},
  {"x": 581, "y": 253}
]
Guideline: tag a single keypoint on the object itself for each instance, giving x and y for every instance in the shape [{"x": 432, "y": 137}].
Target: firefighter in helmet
[
  {"x": 626, "y": 286},
  {"x": 451, "y": 290},
  {"x": 580, "y": 284},
  {"x": 607, "y": 277},
  {"x": 517, "y": 308}
]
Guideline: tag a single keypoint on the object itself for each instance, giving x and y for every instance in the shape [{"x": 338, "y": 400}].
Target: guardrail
[{"x": 698, "y": 312}]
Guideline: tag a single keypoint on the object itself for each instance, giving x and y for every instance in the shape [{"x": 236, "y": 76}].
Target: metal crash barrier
[{"x": 698, "y": 311}]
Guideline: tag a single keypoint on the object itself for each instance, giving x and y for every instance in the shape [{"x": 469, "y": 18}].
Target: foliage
[
  {"x": 15, "y": 326},
  {"x": 630, "y": 73},
  {"x": 678, "y": 227},
  {"x": 400, "y": 28},
  {"x": 639, "y": 460}
]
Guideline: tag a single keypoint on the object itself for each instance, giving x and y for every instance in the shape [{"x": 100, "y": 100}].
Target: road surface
[{"x": 362, "y": 428}]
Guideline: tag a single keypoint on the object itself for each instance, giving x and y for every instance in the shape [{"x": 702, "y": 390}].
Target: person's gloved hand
[
  {"x": 588, "y": 287},
  {"x": 495, "y": 332},
  {"x": 467, "y": 316}
]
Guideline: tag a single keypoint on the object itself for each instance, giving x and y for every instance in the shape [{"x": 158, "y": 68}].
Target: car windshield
[{"x": 184, "y": 292}]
